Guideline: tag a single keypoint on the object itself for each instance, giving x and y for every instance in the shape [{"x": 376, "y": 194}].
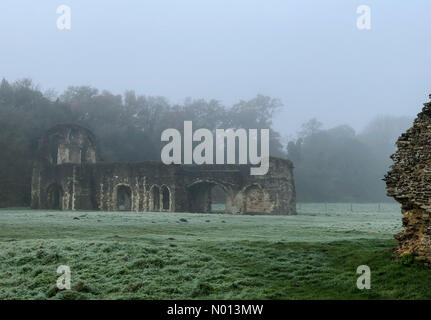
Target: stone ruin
[
  {"x": 409, "y": 183},
  {"x": 68, "y": 175}
]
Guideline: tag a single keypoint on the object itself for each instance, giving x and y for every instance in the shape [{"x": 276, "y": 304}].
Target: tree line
[
  {"x": 330, "y": 165},
  {"x": 340, "y": 165}
]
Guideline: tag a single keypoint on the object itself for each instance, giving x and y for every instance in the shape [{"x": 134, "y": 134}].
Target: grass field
[{"x": 113, "y": 255}]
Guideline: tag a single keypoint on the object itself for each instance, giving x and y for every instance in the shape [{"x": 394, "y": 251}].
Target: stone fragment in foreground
[{"x": 409, "y": 183}]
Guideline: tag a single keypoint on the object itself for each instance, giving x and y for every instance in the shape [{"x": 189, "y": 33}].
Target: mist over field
[
  {"x": 132, "y": 70},
  {"x": 309, "y": 54},
  {"x": 331, "y": 165},
  {"x": 87, "y": 89}
]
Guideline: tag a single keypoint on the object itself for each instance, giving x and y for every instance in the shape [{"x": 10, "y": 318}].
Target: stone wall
[
  {"x": 409, "y": 182},
  {"x": 153, "y": 186}
]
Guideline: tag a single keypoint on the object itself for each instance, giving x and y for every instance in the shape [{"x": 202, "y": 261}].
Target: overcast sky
[{"x": 308, "y": 53}]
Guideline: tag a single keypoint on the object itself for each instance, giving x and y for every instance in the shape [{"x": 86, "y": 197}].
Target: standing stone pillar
[{"x": 409, "y": 183}]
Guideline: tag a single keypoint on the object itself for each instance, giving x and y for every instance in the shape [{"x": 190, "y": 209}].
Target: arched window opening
[
  {"x": 206, "y": 197},
  {"x": 124, "y": 198},
  {"x": 166, "y": 196},
  {"x": 218, "y": 199},
  {"x": 54, "y": 197},
  {"x": 155, "y": 198}
]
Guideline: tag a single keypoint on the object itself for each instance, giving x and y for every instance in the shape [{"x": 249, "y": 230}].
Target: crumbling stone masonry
[
  {"x": 409, "y": 182},
  {"x": 67, "y": 175}
]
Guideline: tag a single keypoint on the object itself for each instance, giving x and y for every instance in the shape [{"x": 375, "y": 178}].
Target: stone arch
[
  {"x": 68, "y": 143},
  {"x": 54, "y": 195},
  {"x": 256, "y": 199},
  {"x": 155, "y": 198},
  {"x": 218, "y": 199},
  {"x": 199, "y": 195},
  {"x": 166, "y": 198},
  {"x": 123, "y": 197}
]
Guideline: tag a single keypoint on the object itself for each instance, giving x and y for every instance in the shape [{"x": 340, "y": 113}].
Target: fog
[{"x": 309, "y": 54}]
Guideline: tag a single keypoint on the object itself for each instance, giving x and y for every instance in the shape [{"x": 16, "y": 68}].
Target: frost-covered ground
[
  {"x": 133, "y": 255},
  {"x": 314, "y": 222}
]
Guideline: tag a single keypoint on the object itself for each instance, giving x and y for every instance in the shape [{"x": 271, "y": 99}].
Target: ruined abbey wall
[
  {"x": 409, "y": 182},
  {"x": 81, "y": 183}
]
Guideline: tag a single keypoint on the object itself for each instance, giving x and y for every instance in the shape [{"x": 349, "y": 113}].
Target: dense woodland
[
  {"x": 339, "y": 165},
  {"x": 334, "y": 164}
]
